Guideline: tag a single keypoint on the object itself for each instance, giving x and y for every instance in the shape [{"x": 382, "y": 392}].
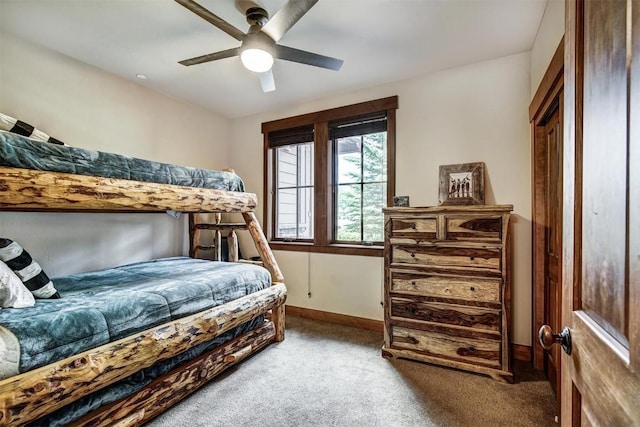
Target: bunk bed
[{"x": 222, "y": 334}]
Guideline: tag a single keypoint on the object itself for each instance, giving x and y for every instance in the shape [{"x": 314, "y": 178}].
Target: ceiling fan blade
[
  {"x": 284, "y": 19},
  {"x": 309, "y": 58},
  {"x": 211, "y": 57},
  {"x": 212, "y": 18},
  {"x": 266, "y": 81}
]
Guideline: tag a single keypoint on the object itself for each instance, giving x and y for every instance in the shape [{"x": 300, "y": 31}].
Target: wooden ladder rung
[
  {"x": 250, "y": 261},
  {"x": 205, "y": 247},
  {"x": 228, "y": 226}
]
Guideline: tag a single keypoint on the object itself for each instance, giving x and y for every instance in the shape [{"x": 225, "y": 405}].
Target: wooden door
[
  {"x": 546, "y": 113},
  {"x": 553, "y": 241},
  {"x": 601, "y": 220}
]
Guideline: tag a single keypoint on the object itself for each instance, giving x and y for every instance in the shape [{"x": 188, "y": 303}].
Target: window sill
[{"x": 339, "y": 249}]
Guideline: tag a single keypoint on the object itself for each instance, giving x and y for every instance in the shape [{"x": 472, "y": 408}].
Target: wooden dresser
[{"x": 447, "y": 295}]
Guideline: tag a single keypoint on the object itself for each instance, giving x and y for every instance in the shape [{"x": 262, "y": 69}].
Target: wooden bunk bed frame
[{"x": 33, "y": 394}]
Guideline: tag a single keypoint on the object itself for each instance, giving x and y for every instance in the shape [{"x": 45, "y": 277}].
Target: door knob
[{"x": 547, "y": 338}]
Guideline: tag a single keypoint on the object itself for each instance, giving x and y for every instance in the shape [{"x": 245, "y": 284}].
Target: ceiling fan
[{"x": 259, "y": 45}]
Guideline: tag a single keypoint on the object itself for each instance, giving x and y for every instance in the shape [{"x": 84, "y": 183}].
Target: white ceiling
[{"x": 380, "y": 41}]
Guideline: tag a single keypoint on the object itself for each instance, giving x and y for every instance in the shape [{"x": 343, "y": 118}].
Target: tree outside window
[{"x": 361, "y": 188}]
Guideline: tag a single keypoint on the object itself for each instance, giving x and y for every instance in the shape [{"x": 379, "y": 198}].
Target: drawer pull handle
[
  {"x": 472, "y": 258},
  {"x": 414, "y": 226},
  {"x": 413, "y": 282},
  {"x": 472, "y": 288},
  {"x": 413, "y": 255}
]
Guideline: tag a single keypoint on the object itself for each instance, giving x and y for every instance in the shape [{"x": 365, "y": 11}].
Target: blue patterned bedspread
[
  {"x": 21, "y": 152},
  {"x": 107, "y": 305}
]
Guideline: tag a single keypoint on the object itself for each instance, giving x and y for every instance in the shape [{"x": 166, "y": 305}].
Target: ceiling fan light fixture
[
  {"x": 258, "y": 46},
  {"x": 256, "y": 60}
]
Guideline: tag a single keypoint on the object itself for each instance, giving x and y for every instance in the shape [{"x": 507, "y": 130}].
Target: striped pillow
[
  {"x": 29, "y": 271},
  {"x": 13, "y": 125}
]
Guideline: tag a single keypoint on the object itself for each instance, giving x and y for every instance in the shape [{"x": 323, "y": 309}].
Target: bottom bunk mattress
[{"x": 104, "y": 306}]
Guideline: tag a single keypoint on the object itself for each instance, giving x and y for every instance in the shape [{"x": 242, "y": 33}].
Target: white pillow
[{"x": 13, "y": 293}]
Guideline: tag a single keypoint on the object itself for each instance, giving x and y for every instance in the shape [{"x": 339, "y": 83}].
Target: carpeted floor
[{"x": 331, "y": 375}]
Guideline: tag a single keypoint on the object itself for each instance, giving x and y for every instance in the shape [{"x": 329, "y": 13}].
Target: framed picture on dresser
[{"x": 462, "y": 184}]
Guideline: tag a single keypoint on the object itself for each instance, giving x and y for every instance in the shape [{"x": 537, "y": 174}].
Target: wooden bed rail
[
  {"x": 166, "y": 391},
  {"x": 33, "y": 394},
  {"x": 31, "y": 190}
]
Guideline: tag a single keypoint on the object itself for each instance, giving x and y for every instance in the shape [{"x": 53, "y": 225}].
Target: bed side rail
[
  {"x": 31, "y": 190},
  {"x": 33, "y": 394}
]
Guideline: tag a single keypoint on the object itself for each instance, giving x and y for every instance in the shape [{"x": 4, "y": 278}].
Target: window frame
[{"x": 323, "y": 180}]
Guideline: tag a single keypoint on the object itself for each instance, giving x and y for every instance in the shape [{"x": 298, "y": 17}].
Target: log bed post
[
  {"x": 262, "y": 246},
  {"x": 270, "y": 264},
  {"x": 194, "y": 235},
  {"x": 217, "y": 239},
  {"x": 232, "y": 241}
]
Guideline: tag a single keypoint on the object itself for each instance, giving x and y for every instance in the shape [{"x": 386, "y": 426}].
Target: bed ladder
[
  {"x": 268, "y": 260},
  {"x": 196, "y": 226}
]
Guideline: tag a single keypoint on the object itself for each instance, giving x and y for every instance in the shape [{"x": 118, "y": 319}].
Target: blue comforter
[
  {"x": 21, "y": 152},
  {"x": 107, "y": 305}
]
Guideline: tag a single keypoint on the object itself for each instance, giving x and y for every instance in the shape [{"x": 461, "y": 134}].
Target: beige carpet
[{"x": 331, "y": 375}]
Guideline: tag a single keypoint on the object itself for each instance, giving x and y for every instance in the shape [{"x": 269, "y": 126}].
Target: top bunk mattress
[
  {"x": 103, "y": 306},
  {"x": 22, "y": 152}
]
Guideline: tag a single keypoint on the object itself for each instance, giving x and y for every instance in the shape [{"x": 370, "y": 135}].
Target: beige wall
[
  {"x": 89, "y": 108},
  {"x": 549, "y": 35},
  {"x": 468, "y": 114}
]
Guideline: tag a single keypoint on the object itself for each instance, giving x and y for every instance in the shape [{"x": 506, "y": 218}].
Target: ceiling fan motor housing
[
  {"x": 258, "y": 40},
  {"x": 257, "y": 16}
]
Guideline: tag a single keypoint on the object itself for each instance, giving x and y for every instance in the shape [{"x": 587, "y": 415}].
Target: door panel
[
  {"x": 599, "y": 280},
  {"x": 609, "y": 391},
  {"x": 604, "y": 197}
]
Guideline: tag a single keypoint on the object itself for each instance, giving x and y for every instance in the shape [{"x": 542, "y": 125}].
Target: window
[
  {"x": 294, "y": 191},
  {"x": 360, "y": 183},
  {"x": 327, "y": 177}
]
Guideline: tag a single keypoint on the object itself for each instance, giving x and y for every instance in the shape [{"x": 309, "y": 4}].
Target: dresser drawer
[
  {"x": 447, "y": 345},
  {"x": 447, "y": 256},
  {"x": 451, "y": 314},
  {"x": 448, "y": 287},
  {"x": 415, "y": 228},
  {"x": 469, "y": 228}
]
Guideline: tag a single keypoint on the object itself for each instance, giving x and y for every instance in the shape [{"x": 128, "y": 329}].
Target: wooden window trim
[
  {"x": 383, "y": 104},
  {"x": 338, "y": 249},
  {"x": 322, "y": 177}
]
